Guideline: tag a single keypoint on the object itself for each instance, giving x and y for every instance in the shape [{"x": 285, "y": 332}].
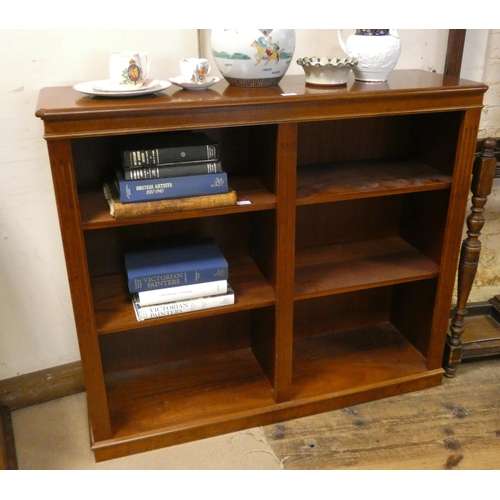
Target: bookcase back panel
[
  {"x": 430, "y": 138},
  {"x": 412, "y": 216},
  {"x": 338, "y": 312},
  {"x": 347, "y": 221},
  {"x": 248, "y": 151},
  {"x": 353, "y": 139},
  {"x": 156, "y": 345},
  {"x": 232, "y": 233}
]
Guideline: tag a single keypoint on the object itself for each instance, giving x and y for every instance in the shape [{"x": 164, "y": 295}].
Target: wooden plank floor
[{"x": 453, "y": 426}]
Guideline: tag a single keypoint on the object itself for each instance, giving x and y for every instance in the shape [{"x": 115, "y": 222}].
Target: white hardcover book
[
  {"x": 185, "y": 292},
  {"x": 183, "y": 306}
]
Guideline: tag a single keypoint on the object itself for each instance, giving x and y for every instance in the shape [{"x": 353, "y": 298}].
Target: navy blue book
[
  {"x": 184, "y": 263},
  {"x": 166, "y": 147},
  {"x": 170, "y": 188}
]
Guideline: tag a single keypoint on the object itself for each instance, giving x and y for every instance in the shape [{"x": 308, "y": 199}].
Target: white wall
[
  {"x": 421, "y": 49},
  {"x": 487, "y": 282},
  {"x": 490, "y": 122},
  {"x": 37, "y": 330}
]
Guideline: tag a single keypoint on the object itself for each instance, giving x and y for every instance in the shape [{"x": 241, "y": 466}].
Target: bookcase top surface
[{"x": 216, "y": 106}]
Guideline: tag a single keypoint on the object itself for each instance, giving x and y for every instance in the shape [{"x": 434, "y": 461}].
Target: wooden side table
[{"x": 482, "y": 181}]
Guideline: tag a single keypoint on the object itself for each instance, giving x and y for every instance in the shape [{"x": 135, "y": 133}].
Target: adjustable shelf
[
  {"x": 363, "y": 264},
  {"x": 95, "y": 211},
  {"x": 363, "y": 179}
]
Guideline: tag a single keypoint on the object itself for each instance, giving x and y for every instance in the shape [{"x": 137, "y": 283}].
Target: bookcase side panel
[
  {"x": 412, "y": 312},
  {"x": 95, "y": 161},
  {"x": 464, "y": 157},
  {"x": 434, "y": 139},
  {"x": 423, "y": 221},
  {"x": 81, "y": 294}
]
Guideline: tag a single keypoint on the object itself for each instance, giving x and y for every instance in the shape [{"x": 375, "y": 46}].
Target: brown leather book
[{"x": 118, "y": 210}]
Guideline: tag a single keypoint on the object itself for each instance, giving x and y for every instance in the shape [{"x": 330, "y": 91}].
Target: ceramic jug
[{"x": 377, "y": 52}]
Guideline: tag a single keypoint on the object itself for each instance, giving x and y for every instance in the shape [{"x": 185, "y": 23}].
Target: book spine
[
  {"x": 174, "y": 294},
  {"x": 175, "y": 187},
  {"x": 176, "y": 279},
  {"x": 145, "y": 157},
  {"x": 172, "y": 170},
  {"x": 184, "y": 306}
]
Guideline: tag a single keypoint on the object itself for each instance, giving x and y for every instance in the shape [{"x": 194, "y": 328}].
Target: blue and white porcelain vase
[
  {"x": 377, "y": 52},
  {"x": 253, "y": 57}
]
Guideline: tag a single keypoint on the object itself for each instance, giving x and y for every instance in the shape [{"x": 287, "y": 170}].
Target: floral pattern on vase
[
  {"x": 253, "y": 57},
  {"x": 372, "y": 32}
]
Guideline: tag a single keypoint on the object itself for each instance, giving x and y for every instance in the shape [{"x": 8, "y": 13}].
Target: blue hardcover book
[
  {"x": 179, "y": 264},
  {"x": 170, "y": 188}
]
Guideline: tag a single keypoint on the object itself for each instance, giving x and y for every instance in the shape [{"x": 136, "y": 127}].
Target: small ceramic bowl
[{"x": 323, "y": 71}]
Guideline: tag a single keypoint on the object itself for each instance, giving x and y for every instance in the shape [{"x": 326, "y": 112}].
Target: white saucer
[
  {"x": 110, "y": 86},
  {"x": 181, "y": 82},
  {"x": 107, "y": 89}
]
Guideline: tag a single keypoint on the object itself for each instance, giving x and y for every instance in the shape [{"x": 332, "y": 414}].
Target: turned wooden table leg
[{"x": 482, "y": 180}]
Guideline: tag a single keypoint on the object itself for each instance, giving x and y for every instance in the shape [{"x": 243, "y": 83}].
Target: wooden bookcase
[{"x": 343, "y": 264}]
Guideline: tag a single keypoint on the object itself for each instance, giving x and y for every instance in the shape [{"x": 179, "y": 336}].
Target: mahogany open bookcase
[{"x": 343, "y": 263}]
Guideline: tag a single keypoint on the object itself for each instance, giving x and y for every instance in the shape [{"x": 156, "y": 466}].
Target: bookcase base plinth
[{"x": 132, "y": 444}]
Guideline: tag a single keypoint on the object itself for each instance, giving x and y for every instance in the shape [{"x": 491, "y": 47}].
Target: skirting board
[{"x": 41, "y": 386}]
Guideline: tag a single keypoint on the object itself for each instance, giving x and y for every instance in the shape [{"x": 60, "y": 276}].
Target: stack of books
[
  {"x": 168, "y": 172},
  {"x": 177, "y": 278}
]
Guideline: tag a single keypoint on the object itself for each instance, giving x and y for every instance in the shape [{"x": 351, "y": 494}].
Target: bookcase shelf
[
  {"x": 360, "y": 179},
  {"x": 342, "y": 259},
  {"x": 363, "y": 264},
  {"x": 95, "y": 211},
  {"x": 207, "y": 388},
  {"x": 347, "y": 360}
]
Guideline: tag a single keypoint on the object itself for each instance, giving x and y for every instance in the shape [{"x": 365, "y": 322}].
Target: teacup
[
  {"x": 128, "y": 69},
  {"x": 195, "y": 69}
]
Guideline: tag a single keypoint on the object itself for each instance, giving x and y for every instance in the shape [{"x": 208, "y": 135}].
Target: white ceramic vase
[
  {"x": 253, "y": 57},
  {"x": 377, "y": 52}
]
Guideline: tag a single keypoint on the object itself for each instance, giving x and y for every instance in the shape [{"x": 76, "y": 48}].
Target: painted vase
[
  {"x": 377, "y": 52},
  {"x": 253, "y": 57}
]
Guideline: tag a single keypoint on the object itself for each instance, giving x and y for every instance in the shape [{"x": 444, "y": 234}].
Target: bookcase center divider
[{"x": 342, "y": 243}]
